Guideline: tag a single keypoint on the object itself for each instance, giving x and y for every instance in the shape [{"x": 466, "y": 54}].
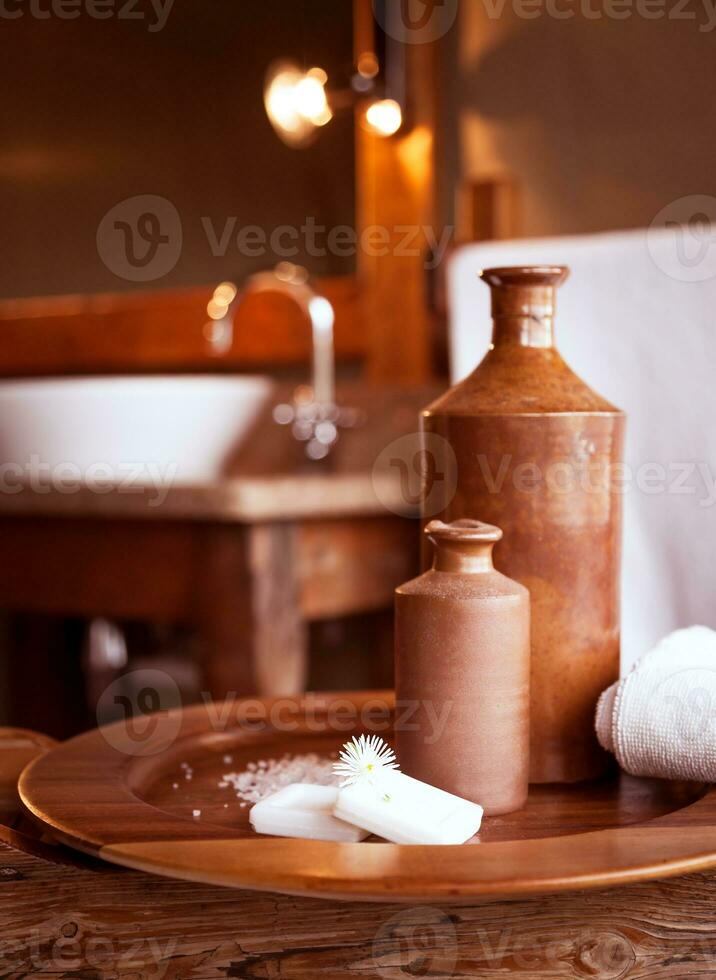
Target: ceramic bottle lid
[{"x": 464, "y": 545}]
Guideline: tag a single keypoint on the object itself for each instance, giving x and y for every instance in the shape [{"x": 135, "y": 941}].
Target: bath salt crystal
[{"x": 267, "y": 776}]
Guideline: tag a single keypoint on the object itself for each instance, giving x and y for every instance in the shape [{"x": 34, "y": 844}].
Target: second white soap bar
[
  {"x": 302, "y": 810},
  {"x": 405, "y": 811}
]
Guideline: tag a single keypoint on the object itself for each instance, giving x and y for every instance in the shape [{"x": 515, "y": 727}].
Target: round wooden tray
[{"x": 120, "y": 793}]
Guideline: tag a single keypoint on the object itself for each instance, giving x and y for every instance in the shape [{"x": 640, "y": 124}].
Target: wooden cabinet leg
[
  {"x": 254, "y": 638},
  {"x": 280, "y": 633}
]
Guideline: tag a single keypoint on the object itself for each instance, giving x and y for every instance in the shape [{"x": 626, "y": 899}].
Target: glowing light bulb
[
  {"x": 296, "y": 102},
  {"x": 310, "y": 98},
  {"x": 384, "y": 117}
]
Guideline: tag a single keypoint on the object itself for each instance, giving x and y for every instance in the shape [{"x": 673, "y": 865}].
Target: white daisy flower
[{"x": 364, "y": 758}]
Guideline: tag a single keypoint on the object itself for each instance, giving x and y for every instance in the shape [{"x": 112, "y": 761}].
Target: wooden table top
[
  {"x": 67, "y": 915},
  {"x": 270, "y": 478}
]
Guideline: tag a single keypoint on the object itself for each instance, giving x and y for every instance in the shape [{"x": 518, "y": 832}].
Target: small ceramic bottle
[{"x": 462, "y": 661}]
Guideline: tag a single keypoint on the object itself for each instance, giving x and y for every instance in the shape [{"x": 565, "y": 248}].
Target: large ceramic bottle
[
  {"x": 536, "y": 453},
  {"x": 462, "y": 671}
]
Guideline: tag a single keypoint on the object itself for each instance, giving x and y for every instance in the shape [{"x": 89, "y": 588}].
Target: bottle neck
[
  {"x": 463, "y": 557},
  {"x": 523, "y": 330},
  {"x": 523, "y": 314}
]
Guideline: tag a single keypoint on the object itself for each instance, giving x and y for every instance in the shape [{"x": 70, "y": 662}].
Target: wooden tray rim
[{"x": 675, "y": 843}]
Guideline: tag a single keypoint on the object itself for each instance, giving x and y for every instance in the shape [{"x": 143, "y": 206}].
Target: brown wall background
[
  {"x": 603, "y": 122},
  {"x": 96, "y": 111}
]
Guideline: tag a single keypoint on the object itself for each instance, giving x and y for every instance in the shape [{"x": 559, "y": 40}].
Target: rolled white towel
[{"x": 660, "y": 720}]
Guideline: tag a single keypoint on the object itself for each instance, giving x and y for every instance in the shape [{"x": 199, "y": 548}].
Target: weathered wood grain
[{"x": 75, "y": 924}]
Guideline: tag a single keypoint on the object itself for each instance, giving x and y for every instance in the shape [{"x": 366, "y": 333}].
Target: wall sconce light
[
  {"x": 299, "y": 103},
  {"x": 296, "y": 102}
]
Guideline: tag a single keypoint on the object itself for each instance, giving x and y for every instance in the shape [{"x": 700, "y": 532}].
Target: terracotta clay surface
[
  {"x": 536, "y": 452},
  {"x": 462, "y": 659}
]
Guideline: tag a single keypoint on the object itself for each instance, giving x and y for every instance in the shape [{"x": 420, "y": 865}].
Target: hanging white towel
[{"x": 660, "y": 720}]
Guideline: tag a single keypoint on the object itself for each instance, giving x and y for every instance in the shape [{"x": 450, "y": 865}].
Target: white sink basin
[{"x": 153, "y": 429}]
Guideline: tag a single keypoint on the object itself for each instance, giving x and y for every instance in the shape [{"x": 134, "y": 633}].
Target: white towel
[{"x": 660, "y": 720}]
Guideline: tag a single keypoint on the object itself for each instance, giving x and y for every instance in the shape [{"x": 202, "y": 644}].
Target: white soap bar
[
  {"x": 405, "y": 811},
  {"x": 306, "y": 811}
]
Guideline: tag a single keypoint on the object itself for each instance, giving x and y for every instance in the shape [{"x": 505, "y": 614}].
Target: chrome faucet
[{"x": 313, "y": 414}]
